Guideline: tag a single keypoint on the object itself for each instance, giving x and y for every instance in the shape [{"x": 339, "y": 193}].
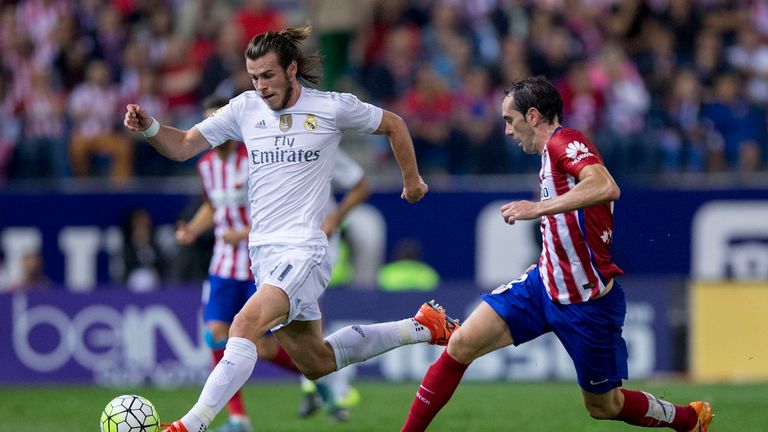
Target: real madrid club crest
[
  {"x": 286, "y": 121},
  {"x": 310, "y": 123}
]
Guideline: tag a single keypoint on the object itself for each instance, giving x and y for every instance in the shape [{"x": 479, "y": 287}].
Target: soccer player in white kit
[{"x": 292, "y": 133}]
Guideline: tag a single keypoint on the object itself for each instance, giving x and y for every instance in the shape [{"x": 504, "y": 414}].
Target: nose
[
  {"x": 508, "y": 130},
  {"x": 261, "y": 85}
]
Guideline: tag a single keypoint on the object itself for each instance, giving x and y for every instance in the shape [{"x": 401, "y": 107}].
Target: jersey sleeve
[
  {"x": 346, "y": 172},
  {"x": 571, "y": 151},
  {"x": 221, "y": 126},
  {"x": 356, "y": 115}
]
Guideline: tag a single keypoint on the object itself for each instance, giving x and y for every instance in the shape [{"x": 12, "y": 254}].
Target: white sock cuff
[
  {"x": 243, "y": 347},
  {"x": 339, "y": 353}
]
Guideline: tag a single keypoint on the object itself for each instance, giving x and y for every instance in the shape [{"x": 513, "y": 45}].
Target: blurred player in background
[
  {"x": 291, "y": 133},
  {"x": 571, "y": 291}
]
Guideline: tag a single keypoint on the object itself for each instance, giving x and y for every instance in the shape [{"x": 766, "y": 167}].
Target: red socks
[
  {"x": 235, "y": 405},
  {"x": 435, "y": 390},
  {"x": 643, "y": 409}
]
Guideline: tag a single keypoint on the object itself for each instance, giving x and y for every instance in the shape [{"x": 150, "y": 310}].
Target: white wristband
[{"x": 152, "y": 130}]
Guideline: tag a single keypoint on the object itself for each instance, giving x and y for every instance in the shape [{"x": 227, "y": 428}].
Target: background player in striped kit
[
  {"x": 572, "y": 291},
  {"x": 290, "y": 164}
]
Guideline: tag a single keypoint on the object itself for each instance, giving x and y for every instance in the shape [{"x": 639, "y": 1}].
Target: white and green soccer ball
[{"x": 129, "y": 413}]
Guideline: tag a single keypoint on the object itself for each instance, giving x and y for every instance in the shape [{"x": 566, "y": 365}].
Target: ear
[
  {"x": 292, "y": 69},
  {"x": 532, "y": 116}
]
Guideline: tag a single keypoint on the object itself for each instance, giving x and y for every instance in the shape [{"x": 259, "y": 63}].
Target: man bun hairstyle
[
  {"x": 537, "y": 92},
  {"x": 286, "y": 44}
]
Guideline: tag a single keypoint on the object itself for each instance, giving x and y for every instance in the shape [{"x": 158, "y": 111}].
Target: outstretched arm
[
  {"x": 395, "y": 128},
  {"x": 170, "y": 142},
  {"x": 596, "y": 186}
]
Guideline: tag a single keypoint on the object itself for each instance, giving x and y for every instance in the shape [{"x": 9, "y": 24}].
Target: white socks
[
  {"x": 224, "y": 381},
  {"x": 358, "y": 343}
]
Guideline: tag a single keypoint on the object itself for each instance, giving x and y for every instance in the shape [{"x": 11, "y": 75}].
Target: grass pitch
[{"x": 495, "y": 407}]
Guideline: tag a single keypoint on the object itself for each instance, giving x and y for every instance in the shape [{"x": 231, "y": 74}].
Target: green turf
[{"x": 496, "y": 407}]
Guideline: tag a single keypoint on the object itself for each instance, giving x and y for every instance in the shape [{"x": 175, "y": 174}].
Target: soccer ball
[{"x": 130, "y": 413}]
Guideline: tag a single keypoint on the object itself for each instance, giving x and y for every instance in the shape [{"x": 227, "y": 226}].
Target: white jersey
[
  {"x": 345, "y": 175},
  {"x": 291, "y": 154}
]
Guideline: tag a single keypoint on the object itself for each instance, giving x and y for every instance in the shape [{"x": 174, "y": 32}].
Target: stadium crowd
[{"x": 660, "y": 85}]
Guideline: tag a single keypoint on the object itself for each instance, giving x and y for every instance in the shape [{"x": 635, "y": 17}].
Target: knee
[
  {"x": 602, "y": 411},
  {"x": 461, "y": 349},
  {"x": 313, "y": 374}
]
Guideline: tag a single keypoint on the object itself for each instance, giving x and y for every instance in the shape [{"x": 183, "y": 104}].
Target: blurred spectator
[
  {"x": 553, "y": 54},
  {"x": 626, "y": 103},
  {"x": 657, "y": 62},
  {"x": 428, "y": 110},
  {"x": 749, "y": 56},
  {"x": 390, "y": 76},
  {"x": 110, "y": 37},
  {"x": 741, "y": 125},
  {"x": 477, "y": 142},
  {"x": 143, "y": 260},
  {"x": 192, "y": 14},
  {"x": 40, "y": 18},
  {"x": 407, "y": 271},
  {"x": 678, "y": 122},
  {"x": 709, "y": 59},
  {"x": 94, "y": 109},
  {"x": 42, "y": 150},
  {"x": 11, "y": 130},
  {"x": 179, "y": 81},
  {"x": 227, "y": 59},
  {"x": 256, "y": 17},
  {"x": 72, "y": 53},
  {"x": 439, "y": 39},
  {"x": 582, "y": 103}
]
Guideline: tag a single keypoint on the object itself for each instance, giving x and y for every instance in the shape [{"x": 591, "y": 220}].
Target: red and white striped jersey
[
  {"x": 575, "y": 261},
  {"x": 225, "y": 185}
]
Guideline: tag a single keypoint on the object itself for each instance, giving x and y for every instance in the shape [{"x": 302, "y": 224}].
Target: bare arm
[
  {"x": 170, "y": 142},
  {"x": 351, "y": 199},
  {"x": 395, "y": 128},
  {"x": 187, "y": 233},
  {"x": 596, "y": 186}
]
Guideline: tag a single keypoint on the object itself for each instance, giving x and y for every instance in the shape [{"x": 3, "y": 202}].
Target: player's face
[
  {"x": 274, "y": 84},
  {"x": 516, "y": 127}
]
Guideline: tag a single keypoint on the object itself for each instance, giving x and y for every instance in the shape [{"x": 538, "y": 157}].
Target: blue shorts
[
  {"x": 225, "y": 297},
  {"x": 589, "y": 331}
]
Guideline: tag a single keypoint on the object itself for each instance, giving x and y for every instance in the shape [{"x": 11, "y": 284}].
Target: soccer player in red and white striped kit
[{"x": 572, "y": 291}]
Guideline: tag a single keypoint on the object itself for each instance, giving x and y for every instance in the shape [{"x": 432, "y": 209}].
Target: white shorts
[{"x": 302, "y": 272}]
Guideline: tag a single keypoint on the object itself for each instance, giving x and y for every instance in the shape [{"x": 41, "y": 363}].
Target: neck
[
  {"x": 544, "y": 134},
  {"x": 295, "y": 93}
]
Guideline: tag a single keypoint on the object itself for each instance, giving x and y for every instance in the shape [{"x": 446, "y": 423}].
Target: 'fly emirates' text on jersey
[
  {"x": 290, "y": 154},
  {"x": 575, "y": 261},
  {"x": 225, "y": 186}
]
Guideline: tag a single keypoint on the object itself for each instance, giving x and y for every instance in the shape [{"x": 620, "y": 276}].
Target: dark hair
[
  {"x": 287, "y": 45},
  {"x": 213, "y": 102},
  {"x": 536, "y": 92}
]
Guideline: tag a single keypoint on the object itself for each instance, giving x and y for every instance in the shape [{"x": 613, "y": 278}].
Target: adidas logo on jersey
[{"x": 262, "y": 124}]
